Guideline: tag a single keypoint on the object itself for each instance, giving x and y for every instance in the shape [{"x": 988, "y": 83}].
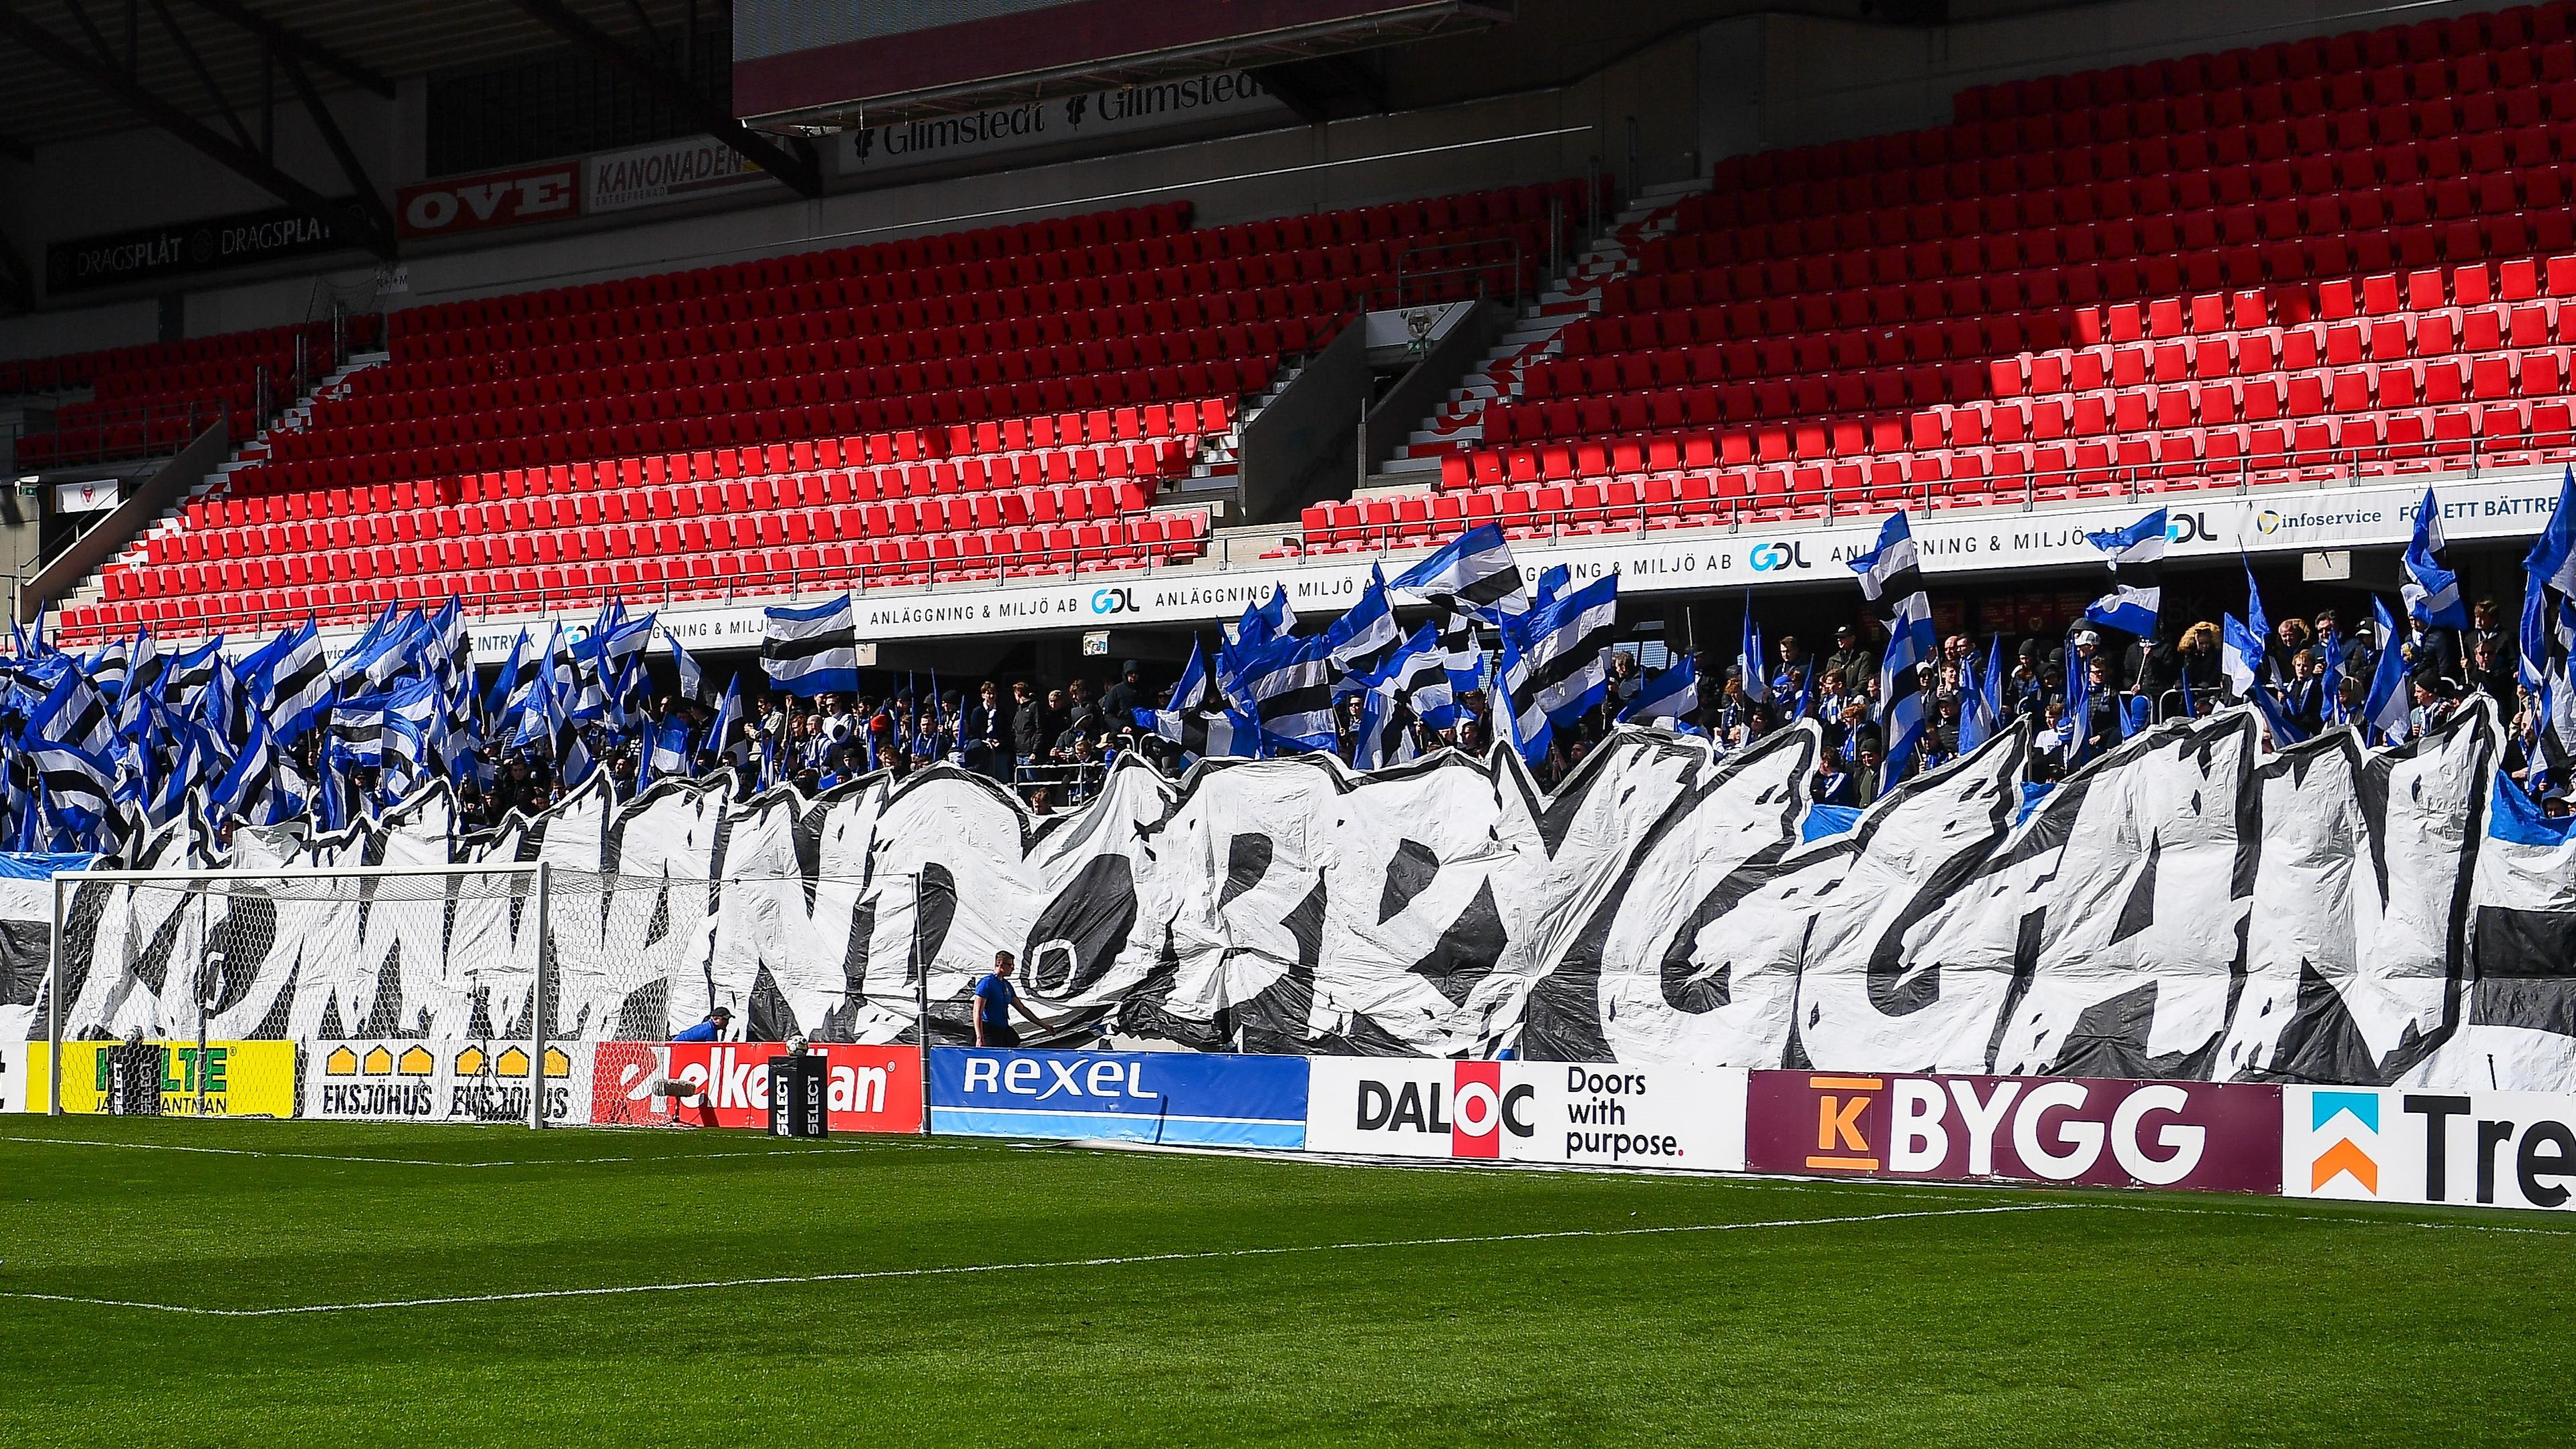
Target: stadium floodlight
[{"x": 481, "y": 934}]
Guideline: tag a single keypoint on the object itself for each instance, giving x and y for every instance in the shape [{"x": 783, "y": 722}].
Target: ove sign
[{"x": 2212, "y": 1136}]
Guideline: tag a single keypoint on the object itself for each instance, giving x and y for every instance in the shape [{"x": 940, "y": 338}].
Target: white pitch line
[
  {"x": 890, "y": 1141},
  {"x": 1131, "y": 1260}
]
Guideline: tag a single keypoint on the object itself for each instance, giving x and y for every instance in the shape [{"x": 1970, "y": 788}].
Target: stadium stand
[
  {"x": 154, "y": 398},
  {"x": 1009, "y": 400},
  {"x": 2310, "y": 260}
]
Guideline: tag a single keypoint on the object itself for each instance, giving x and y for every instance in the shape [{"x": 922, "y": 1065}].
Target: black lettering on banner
[
  {"x": 2437, "y": 1112},
  {"x": 2491, "y": 1135},
  {"x": 2536, "y": 1167}
]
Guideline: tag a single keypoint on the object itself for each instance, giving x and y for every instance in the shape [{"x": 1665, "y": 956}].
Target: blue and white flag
[
  {"x": 813, "y": 649},
  {"x": 2553, "y": 555},
  {"x": 670, "y": 754},
  {"x": 1891, "y": 579},
  {"x": 2385, "y": 710},
  {"x": 1367, "y": 629},
  {"x": 297, "y": 687},
  {"x": 1552, "y": 583},
  {"x": 1273, "y": 619},
  {"x": 693, "y": 679},
  {"x": 1670, "y": 696},
  {"x": 1981, "y": 713},
  {"x": 1473, "y": 571},
  {"x": 2136, "y": 554},
  {"x": 2241, "y": 657},
  {"x": 1414, "y": 681},
  {"x": 1556, "y": 665},
  {"x": 1286, "y": 687},
  {"x": 1753, "y": 683},
  {"x": 2431, "y": 592},
  {"x": 728, "y": 714}
]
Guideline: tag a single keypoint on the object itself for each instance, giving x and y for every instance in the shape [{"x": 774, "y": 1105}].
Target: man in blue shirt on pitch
[{"x": 995, "y": 1000}]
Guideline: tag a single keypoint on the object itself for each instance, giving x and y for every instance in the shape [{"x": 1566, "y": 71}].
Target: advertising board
[
  {"x": 441, "y": 1081},
  {"x": 2206, "y": 1136},
  {"x": 1171, "y": 1097},
  {"x": 870, "y": 1088},
  {"x": 1627, "y": 1116},
  {"x": 241, "y": 1078},
  {"x": 2481, "y": 1149}
]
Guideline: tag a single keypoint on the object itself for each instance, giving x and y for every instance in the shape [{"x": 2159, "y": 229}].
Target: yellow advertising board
[{"x": 242, "y": 1078}]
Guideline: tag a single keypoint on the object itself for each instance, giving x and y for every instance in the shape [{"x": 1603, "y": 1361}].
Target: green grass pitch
[{"x": 947, "y": 1292}]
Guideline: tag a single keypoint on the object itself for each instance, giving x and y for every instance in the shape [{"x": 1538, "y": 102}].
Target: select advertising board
[
  {"x": 441, "y": 1081},
  {"x": 1166, "y": 1097},
  {"x": 869, "y": 1088},
  {"x": 2478, "y": 1149},
  {"x": 2204, "y": 1136},
  {"x": 241, "y": 1078},
  {"x": 1552, "y": 1112},
  {"x": 13, "y": 1076}
]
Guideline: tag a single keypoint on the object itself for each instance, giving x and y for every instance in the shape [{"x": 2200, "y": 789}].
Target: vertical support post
[
  {"x": 54, "y": 1010},
  {"x": 921, "y": 993},
  {"x": 544, "y": 982}
]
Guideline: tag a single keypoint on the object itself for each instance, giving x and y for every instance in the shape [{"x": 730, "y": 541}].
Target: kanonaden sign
[
  {"x": 2206, "y": 1136},
  {"x": 241, "y": 1078},
  {"x": 870, "y": 1088},
  {"x": 2481, "y": 1149},
  {"x": 442, "y": 1081},
  {"x": 1092, "y": 116},
  {"x": 662, "y": 173},
  {"x": 1629, "y": 1116},
  {"x": 1213, "y": 1100},
  {"x": 152, "y": 254}
]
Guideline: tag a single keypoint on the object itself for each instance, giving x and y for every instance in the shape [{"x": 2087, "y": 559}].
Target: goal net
[{"x": 423, "y": 994}]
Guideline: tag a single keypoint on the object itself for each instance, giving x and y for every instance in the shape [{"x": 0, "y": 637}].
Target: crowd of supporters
[{"x": 1052, "y": 742}]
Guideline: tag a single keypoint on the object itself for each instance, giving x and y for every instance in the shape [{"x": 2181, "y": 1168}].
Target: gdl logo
[
  {"x": 1113, "y": 601},
  {"x": 2189, "y": 528},
  {"x": 1773, "y": 557}
]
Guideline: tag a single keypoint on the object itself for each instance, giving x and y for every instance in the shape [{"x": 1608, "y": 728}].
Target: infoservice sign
[
  {"x": 2207, "y": 1136},
  {"x": 2478, "y": 1149},
  {"x": 868, "y": 1088},
  {"x": 1626, "y": 1116},
  {"x": 1174, "y": 1097}
]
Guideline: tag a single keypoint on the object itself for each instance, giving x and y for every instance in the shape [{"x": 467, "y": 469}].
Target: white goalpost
[{"x": 399, "y": 990}]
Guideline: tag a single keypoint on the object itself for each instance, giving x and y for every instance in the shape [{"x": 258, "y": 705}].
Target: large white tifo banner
[
  {"x": 1517, "y": 1111},
  {"x": 2188, "y": 907},
  {"x": 2474, "y": 1149}
]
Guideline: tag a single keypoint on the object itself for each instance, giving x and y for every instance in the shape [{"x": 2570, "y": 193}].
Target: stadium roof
[{"x": 187, "y": 50}]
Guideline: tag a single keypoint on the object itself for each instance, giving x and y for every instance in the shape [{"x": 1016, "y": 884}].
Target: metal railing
[
  {"x": 368, "y": 597},
  {"x": 1823, "y": 499}
]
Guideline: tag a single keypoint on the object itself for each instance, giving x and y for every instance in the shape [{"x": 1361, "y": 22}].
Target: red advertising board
[
  {"x": 2205, "y": 1136},
  {"x": 873, "y": 1088},
  {"x": 502, "y": 198}
]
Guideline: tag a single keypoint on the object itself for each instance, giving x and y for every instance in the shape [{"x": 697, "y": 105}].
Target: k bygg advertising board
[{"x": 2207, "y": 1136}]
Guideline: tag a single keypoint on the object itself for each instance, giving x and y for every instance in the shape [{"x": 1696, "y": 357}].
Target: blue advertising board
[{"x": 1179, "y": 1097}]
